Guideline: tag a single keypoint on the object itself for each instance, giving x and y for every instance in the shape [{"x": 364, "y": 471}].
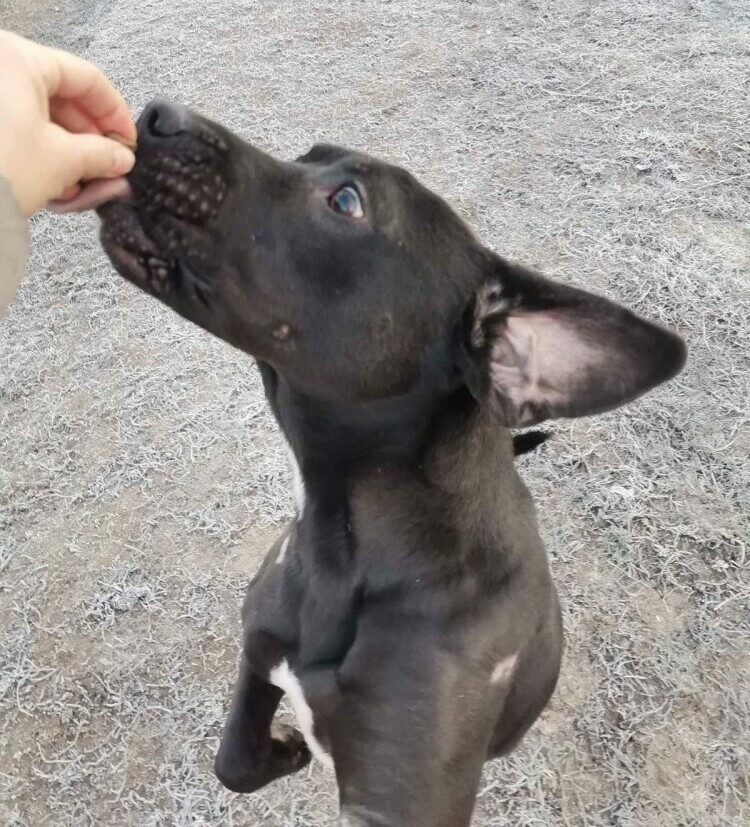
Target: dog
[{"x": 408, "y": 611}]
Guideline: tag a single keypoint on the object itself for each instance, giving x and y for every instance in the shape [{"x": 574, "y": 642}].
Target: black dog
[{"x": 408, "y": 610}]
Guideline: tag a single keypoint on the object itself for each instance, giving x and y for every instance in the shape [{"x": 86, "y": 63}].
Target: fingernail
[
  {"x": 121, "y": 139},
  {"x": 123, "y": 160}
]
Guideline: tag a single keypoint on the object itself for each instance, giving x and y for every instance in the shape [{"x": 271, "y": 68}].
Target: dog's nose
[{"x": 164, "y": 119}]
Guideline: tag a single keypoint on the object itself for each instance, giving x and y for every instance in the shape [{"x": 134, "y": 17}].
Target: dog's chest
[{"x": 304, "y": 609}]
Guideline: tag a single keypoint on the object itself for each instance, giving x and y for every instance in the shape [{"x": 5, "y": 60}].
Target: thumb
[{"x": 83, "y": 157}]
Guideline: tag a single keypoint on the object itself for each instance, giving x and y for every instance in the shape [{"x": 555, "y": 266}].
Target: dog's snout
[
  {"x": 180, "y": 171},
  {"x": 164, "y": 119}
]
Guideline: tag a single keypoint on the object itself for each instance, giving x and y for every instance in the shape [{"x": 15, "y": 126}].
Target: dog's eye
[{"x": 347, "y": 202}]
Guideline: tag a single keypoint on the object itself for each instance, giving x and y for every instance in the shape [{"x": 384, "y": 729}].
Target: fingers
[
  {"x": 92, "y": 195},
  {"x": 70, "y": 192},
  {"x": 85, "y": 157},
  {"x": 72, "y": 79},
  {"x": 70, "y": 116}
]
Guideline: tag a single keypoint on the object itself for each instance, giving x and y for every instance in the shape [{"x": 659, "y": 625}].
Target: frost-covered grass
[{"x": 141, "y": 477}]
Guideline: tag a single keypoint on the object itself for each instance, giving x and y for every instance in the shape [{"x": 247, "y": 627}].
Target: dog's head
[{"x": 355, "y": 282}]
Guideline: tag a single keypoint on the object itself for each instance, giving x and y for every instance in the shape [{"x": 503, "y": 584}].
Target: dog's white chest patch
[
  {"x": 504, "y": 669},
  {"x": 298, "y": 483},
  {"x": 283, "y": 677},
  {"x": 282, "y": 551}
]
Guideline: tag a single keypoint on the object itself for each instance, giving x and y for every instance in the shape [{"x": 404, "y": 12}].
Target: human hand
[{"x": 55, "y": 109}]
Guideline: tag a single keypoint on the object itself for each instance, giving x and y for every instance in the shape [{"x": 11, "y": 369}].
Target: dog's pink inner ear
[
  {"x": 539, "y": 363},
  {"x": 575, "y": 361}
]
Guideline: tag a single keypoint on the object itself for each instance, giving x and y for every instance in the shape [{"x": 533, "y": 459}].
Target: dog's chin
[{"x": 166, "y": 271}]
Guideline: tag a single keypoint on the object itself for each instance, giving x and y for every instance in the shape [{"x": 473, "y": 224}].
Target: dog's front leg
[{"x": 252, "y": 752}]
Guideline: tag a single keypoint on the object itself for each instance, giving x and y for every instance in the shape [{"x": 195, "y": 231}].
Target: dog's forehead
[
  {"x": 324, "y": 154},
  {"x": 356, "y": 163},
  {"x": 335, "y": 154}
]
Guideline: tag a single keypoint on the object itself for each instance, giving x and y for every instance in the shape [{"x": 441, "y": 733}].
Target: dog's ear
[{"x": 535, "y": 349}]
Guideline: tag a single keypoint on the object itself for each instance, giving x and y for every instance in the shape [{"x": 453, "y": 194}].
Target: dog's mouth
[
  {"x": 154, "y": 250},
  {"x": 158, "y": 226}
]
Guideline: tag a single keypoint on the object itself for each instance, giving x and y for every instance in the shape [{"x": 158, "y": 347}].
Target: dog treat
[{"x": 115, "y": 136}]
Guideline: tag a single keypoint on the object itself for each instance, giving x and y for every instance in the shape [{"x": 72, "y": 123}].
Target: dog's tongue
[{"x": 93, "y": 195}]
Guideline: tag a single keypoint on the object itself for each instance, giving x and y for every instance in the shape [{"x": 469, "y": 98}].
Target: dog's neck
[
  {"x": 331, "y": 441},
  {"x": 434, "y": 436},
  {"x": 333, "y": 444}
]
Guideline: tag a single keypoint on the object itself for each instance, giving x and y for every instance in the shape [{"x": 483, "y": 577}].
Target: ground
[{"x": 142, "y": 479}]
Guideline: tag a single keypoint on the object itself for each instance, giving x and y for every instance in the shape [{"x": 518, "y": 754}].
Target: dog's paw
[{"x": 289, "y": 742}]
